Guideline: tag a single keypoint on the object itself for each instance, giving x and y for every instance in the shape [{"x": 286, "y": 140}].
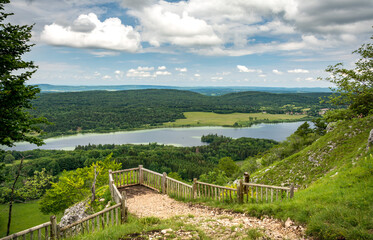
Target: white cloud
[
  {"x": 141, "y": 72},
  {"x": 275, "y": 71},
  {"x": 162, "y": 68},
  {"x": 87, "y": 31},
  {"x": 174, "y": 26},
  {"x": 181, "y": 69},
  {"x": 310, "y": 79},
  {"x": 145, "y": 68},
  {"x": 163, "y": 73},
  {"x": 106, "y": 77},
  {"x": 146, "y": 72},
  {"x": 262, "y": 75},
  {"x": 104, "y": 53},
  {"x": 242, "y": 68},
  {"x": 197, "y": 75},
  {"x": 117, "y": 72},
  {"x": 298, "y": 71}
]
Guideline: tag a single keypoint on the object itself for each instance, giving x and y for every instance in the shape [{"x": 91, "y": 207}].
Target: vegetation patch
[
  {"x": 24, "y": 216},
  {"x": 240, "y": 119}
]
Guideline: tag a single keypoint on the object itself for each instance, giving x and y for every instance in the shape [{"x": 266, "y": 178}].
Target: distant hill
[
  {"x": 123, "y": 110},
  {"x": 210, "y": 91}
]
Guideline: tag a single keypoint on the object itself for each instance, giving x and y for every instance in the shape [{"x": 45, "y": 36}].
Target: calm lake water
[{"x": 169, "y": 136}]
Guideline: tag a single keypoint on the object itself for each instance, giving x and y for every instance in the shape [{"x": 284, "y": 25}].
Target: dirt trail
[{"x": 215, "y": 223}]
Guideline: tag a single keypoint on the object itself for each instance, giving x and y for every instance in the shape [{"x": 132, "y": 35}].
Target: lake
[{"x": 168, "y": 136}]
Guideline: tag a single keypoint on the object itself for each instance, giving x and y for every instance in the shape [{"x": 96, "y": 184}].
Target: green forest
[
  {"x": 183, "y": 161},
  {"x": 98, "y": 111}
]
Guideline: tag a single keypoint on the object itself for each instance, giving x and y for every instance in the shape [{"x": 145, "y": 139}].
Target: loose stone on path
[{"x": 215, "y": 223}]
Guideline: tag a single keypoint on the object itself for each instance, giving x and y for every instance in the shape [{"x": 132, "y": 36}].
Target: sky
[{"x": 266, "y": 43}]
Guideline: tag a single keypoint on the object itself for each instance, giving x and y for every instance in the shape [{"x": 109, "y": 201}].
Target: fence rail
[
  {"x": 266, "y": 193},
  {"x": 178, "y": 189},
  {"x": 31, "y": 233},
  {"x": 215, "y": 192},
  {"x": 126, "y": 177},
  {"x": 100, "y": 220}
]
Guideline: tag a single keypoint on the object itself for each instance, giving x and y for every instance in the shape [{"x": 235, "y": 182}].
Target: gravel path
[{"x": 215, "y": 223}]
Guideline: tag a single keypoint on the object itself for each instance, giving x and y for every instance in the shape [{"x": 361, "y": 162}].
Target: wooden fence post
[
  {"x": 110, "y": 184},
  {"x": 54, "y": 228},
  {"x": 164, "y": 183},
  {"x": 123, "y": 207},
  {"x": 246, "y": 178},
  {"x": 141, "y": 177},
  {"x": 194, "y": 188},
  {"x": 292, "y": 190},
  {"x": 240, "y": 191}
]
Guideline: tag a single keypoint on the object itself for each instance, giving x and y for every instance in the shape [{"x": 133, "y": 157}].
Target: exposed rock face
[
  {"x": 73, "y": 214},
  {"x": 330, "y": 126},
  {"x": 370, "y": 139}
]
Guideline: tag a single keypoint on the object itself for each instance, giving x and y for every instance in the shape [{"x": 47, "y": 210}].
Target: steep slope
[
  {"x": 337, "y": 170},
  {"x": 344, "y": 144}
]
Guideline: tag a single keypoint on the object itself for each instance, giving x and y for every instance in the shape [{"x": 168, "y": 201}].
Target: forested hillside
[{"x": 122, "y": 110}]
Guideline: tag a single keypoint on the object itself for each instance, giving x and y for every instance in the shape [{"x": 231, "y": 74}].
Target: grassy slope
[
  {"x": 339, "y": 172},
  {"x": 214, "y": 119},
  {"x": 337, "y": 148},
  {"x": 24, "y": 215}
]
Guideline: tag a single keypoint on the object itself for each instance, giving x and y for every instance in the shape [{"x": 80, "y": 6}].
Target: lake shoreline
[
  {"x": 182, "y": 137},
  {"x": 82, "y": 132}
]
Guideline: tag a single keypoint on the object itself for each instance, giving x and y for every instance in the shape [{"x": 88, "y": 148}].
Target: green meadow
[
  {"x": 24, "y": 215},
  {"x": 215, "y": 119}
]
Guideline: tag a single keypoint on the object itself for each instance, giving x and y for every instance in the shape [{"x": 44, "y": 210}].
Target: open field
[
  {"x": 16, "y": 162},
  {"x": 24, "y": 215},
  {"x": 214, "y": 119}
]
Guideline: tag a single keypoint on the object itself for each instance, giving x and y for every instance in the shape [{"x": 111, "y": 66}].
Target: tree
[
  {"x": 303, "y": 130},
  {"x": 9, "y": 158},
  {"x": 15, "y": 96},
  {"x": 74, "y": 186},
  {"x": 228, "y": 166},
  {"x": 354, "y": 86}
]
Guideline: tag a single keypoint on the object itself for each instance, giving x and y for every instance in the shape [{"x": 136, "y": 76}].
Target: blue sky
[{"x": 273, "y": 43}]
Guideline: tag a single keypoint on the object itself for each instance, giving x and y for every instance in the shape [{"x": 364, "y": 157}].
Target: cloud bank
[{"x": 87, "y": 31}]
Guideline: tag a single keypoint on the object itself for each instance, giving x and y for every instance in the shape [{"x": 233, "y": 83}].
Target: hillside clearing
[{"x": 215, "y": 119}]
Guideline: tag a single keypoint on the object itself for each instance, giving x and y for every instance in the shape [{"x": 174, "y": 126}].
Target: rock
[
  {"x": 164, "y": 231},
  {"x": 288, "y": 223},
  {"x": 370, "y": 139},
  {"x": 73, "y": 214},
  {"x": 330, "y": 126}
]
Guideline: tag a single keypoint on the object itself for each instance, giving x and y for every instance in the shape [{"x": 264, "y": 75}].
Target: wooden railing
[
  {"x": 179, "y": 189},
  {"x": 126, "y": 177},
  {"x": 215, "y": 192},
  {"x": 32, "y": 233},
  {"x": 95, "y": 222},
  {"x": 265, "y": 193},
  {"x": 100, "y": 220},
  {"x": 261, "y": 193},
  {"x": 245, "y": 191},
  {"x": 152, "y": 179}
]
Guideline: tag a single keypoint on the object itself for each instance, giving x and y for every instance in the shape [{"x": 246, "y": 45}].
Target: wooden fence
[
  {"x": 244, "y": 192},
  {"x": 100, "y": 220},
  {"x": 215, "y": 192},
  {"x": 33, "y": 233}
]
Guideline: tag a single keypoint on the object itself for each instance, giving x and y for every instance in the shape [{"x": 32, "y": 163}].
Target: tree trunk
[
  {"x": 12, "y": 196},
  {"x": 93, "y": 189}
]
